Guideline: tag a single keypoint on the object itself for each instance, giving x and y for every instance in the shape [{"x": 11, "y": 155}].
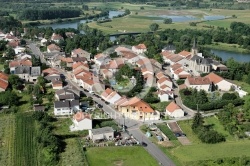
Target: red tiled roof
[
  {"x": 79, "y": 116},
  {"x": 172, "y": 107},
  {"x": 198, "y": 81},
  {"x": 140, "y": 46},
  {"x": 3, "y": 84},
  {"x": 52, "y": 47},
  {"x": 214, "y": 78},
  {"x": 4, "y": 76},
  {"x": 175, "y": 66},
  {"x": 185, "y": 53}
]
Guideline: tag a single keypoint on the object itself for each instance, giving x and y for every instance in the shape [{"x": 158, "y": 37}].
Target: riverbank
[{"x": 228, "y": 47}]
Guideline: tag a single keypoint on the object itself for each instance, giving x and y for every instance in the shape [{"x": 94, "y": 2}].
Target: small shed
[
  {"x": 101, "y": 134},
  {"x": 38, "y": 108}
]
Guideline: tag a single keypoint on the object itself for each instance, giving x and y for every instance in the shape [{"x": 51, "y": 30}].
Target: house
[
  {"x": 70, "y": 34},
  {"x": 156, "y": 64},
  {"x": 159, "y": 75},
  {"x": 114, "y": 65},
  {"x": 200, "y": 64},
  {"x": 101, "y": 59},
  {"x": 66, "y": 107},
  {"x": 3, "y": 81},
  {"x": 80, "y": 65},
  {"x": 44, "y": 42},
  {"x": 15, "y": 63},
  {"x": 56, "y": 37},
  {"x": 220, "y": 82},
  {"x": 80, "y": 53},
  {"x": 53, "y": 48},
  {"x": 38, "y": 107},
  {"x": 27, "y": 73},
  {"x": 169, "y": 48},
  {"x": 130, "y": 57},
  {"x": 165, "y": 81},
  {"x": 181, "y": 74},
  {"x": 19, "y": 49},
  {"x": 199, "y": 83},
  {"x": 57, "y": 84},
  {"x": 147, "y": 70},
  {"x": 137, "y": 109},
  {"x": 81, "y": 121},
  {"x": 185, "y": 54},
  {"x": 175, "y": 67},
  {"x": 105, "y": 133},
  {"x": 164, "y": 88},
  {"x": 139, "y": 49},
  {"x": 110, "y": 96},
  {"x": 106, "y": 73},
  {"x": 66, "y": 94},
  {"x": 79, "y": 59},
  {"x": 174, "y": 111},
  {"x": 68, "y": 61},
  {"x": 23, "y": 56},
  {"x": 165, "y": 95}
]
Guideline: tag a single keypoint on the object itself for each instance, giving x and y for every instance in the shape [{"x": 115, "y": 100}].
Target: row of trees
[
  {"x": 192, "y": 97},
  {"x": 32, "y": 14},
  {"x": 48, "y": 142}
]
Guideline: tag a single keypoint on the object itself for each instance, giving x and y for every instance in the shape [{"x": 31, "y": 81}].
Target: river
[
  {"x": 225, "y": 55},
  {"x": 74, "y": 24}
]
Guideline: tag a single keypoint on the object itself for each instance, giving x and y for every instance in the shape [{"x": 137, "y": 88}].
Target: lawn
[
  {"x": 199, "y": 151},
  {"x": 218, "y": 127},
  {"x": 119, "y": 156}
]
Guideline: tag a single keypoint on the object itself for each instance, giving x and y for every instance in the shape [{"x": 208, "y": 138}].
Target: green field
[
  {"x": 18, "y": 144},
  {"x": 139, "y": 20},
  {"x": 25, "y": 146},
  {"x": 7, "y": 129},
  {"x": 198, "y": 151},
  {"x": 119, "y": 156}
]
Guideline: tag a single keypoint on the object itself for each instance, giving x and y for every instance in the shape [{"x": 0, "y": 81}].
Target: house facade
[
  {"x": 174, "y": 111},
  {"x": 101, "y": 134},
  {"x": 81, "y": 121}
]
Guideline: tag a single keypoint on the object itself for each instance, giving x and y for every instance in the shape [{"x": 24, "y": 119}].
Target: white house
[
  {"x": 220, "y": 82},
  {"x": 19, "y": 49},
  {"x": 66, "y": 107},
  {"x": 139, "y": 49},
  {"x": 81, "y": 121},
  {"x": 110, "y": 96},
  {"x": 199, "y": 83},
  {"x": 101, "y": 134},
  {"x": 165, "y": 95},
  {"x": 44, "y": 42},
  {"x": 53, "y": 48},
  {"x": 181, "y": 74},
  {"x": 56, "y": 37},
  {"x": 165, "y": 81},
  {"x": 174, "y": 111}
]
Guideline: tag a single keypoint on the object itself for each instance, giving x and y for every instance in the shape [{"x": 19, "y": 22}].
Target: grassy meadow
[
  {"x": 199, "y": 151},
  {"x": 139, "y": 20},
  {"x": 119, "y": 156}
]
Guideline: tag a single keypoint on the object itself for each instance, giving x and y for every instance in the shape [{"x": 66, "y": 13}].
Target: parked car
[
  {"x": 144, "y": 144},
  {"x": 99, "y": 105}
]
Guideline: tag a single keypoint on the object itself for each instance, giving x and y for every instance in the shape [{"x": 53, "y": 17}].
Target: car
[
  {"x": 106, "y": 102},
  {"x": 144, "y": 144},
  {"x": 178, "y": 134},
  {"x": 99, "y": 106},
  {"x": 91, "y": 92}
]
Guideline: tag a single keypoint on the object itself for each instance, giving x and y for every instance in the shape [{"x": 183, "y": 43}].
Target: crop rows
[{"x": 24, "y": 142}]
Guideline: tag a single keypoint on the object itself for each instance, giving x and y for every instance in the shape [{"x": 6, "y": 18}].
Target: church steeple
[{"x": 194, "y": 50}]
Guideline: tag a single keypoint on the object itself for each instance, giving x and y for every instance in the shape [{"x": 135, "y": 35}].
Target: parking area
[{"x": 174, "y": 127}]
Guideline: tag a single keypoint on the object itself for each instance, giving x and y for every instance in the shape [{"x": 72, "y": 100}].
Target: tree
[
  {"x": 10, "y": 53},
  {"x": 37, "y": 90},
  {"x": 167, "y": 21},
  {"x": 197, "y": 121},
  {"x": 154, "y": 27},
  {"x": 63, "y": 64},
  {"x": 14, "y": 81},
  {"x": 85, "y": 7}
]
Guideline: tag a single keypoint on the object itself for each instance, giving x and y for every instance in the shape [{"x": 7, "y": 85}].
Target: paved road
[
  {"x": 132, "y": 125},
  {"x": 36, "y": 51}
]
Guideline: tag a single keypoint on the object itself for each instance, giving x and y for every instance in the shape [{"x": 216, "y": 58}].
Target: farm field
[
  {"x": 17, "y": 137},
  {"x": 199, "y": 151},
  {"x": 139, "y": 20},
  {"x": 7, "y": 129},
  {"x": 25, "y": 146},
  {"x": 125, "y": 156}
]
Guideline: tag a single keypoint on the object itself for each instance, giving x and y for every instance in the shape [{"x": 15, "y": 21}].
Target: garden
[{"x": 208, "y": 101}]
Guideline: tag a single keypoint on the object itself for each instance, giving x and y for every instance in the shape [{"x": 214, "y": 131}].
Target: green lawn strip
[
  {"x": 218, "y": 127},
  {"x": 125, "y": 156},
  {"x": 164, "y": 128},
  {"x": 212, "y": 151},
  {"x": 186, "y": 128},
  {"x": 227, "y": 47}
]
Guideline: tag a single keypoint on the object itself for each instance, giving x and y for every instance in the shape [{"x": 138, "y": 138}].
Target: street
[{"x": 132, "y": 125}]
